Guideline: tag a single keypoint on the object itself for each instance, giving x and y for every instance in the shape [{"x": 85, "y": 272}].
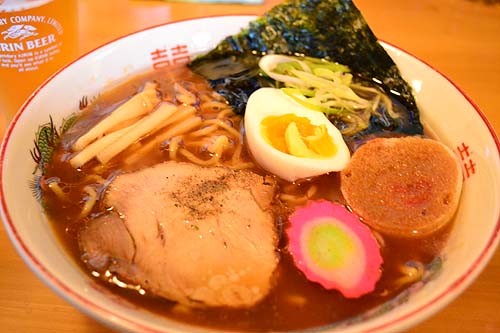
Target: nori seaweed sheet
[{"x": 331, "y": 29}]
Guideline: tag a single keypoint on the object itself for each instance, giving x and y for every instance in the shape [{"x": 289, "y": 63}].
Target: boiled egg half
[{"x": 290, "y": 140}]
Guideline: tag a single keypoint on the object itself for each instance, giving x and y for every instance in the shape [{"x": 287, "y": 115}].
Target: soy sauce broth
[{"x": 293, "y": 303}]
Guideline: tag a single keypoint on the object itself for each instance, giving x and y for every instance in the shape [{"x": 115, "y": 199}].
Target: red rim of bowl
[{"x": 102, "y": 314}]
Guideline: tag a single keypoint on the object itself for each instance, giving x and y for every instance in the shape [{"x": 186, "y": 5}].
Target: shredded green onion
[{"x": 327, "y": 87}]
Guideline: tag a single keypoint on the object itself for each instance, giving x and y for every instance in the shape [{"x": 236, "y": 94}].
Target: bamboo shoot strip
[
  {"x": 181, "y": 128},
  {"x": 138, "y": 105},
  {"x": 181, "y": 114},
  {"x": 145, "y": 126},
  {"x": 95, "y": 147},
  {"x": 183, "y": 95}
]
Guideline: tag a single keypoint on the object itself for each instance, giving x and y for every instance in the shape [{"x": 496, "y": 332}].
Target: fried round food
[{"x": 406, "y": 186}]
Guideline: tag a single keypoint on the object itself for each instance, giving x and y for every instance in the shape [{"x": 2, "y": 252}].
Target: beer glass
[{"x": 37, "y": 37}]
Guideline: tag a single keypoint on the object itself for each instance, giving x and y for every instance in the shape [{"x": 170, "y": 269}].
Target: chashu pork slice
[{"x": 199, "y": 236}]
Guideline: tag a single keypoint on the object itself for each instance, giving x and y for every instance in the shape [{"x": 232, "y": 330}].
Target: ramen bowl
[{"x": 453, "y": 118}]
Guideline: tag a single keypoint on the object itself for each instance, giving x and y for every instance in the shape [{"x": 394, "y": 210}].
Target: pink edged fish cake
[{"x": 332, "y": 247}]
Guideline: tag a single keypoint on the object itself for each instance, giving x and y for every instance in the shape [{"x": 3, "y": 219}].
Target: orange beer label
[
  {"x": 37, "y": 37},
  {"x": 28, "y": 41}
]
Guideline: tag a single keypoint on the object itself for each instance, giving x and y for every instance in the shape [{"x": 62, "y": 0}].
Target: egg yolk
[{"x": 296, "y": 136}]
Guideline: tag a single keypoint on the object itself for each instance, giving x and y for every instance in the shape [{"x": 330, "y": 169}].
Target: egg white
[{"x": 274, "y": 102}]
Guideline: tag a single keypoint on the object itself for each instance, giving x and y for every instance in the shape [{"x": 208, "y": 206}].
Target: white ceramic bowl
[{"x": 454, "y": 118}]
